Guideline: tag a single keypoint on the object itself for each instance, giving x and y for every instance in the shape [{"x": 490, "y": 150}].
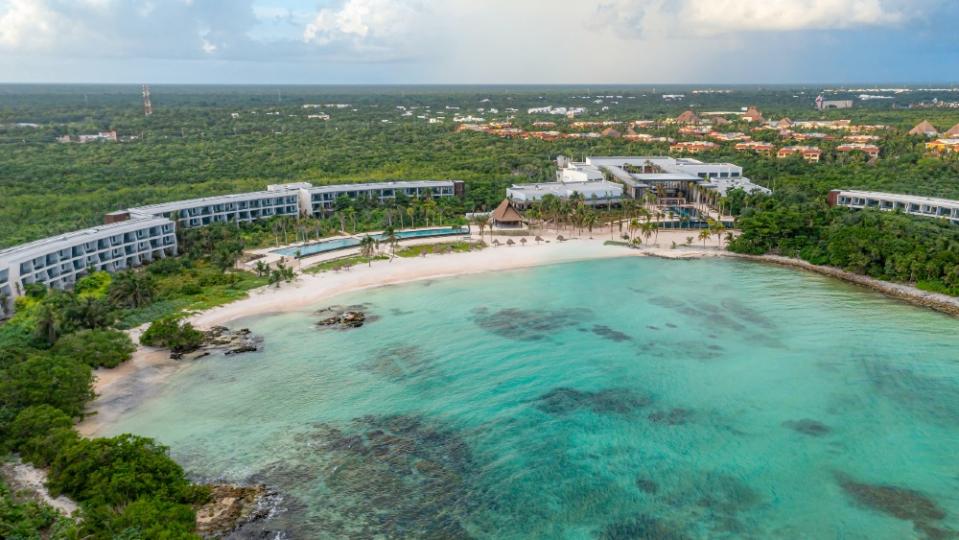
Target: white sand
[
  {"x": 25, "y": 479},
  {"x": 122, "y": 388},
  {"x": 310, "y": 289}
]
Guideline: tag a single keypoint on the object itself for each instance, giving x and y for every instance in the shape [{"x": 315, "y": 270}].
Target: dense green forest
[
  {"x": 127, "y": 486},
  {"x": 212, "y": 140}
]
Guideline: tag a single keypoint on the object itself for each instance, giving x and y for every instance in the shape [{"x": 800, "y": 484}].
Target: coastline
[
  {"x": 124, "y": 387},
  {"x": 900, "y": 291}
]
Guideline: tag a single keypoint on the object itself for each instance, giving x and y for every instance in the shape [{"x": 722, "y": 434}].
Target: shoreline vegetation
[{"x": 138, "y": 373}]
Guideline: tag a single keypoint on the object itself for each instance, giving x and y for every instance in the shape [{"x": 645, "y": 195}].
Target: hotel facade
[
  {"x": 59, "y": 261},
  {"x": 136, "y": 236},
  {"x": 908, "y": 204}
]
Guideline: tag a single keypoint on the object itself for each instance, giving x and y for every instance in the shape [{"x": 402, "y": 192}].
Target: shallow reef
[
  {"x": 606, "y": 332},
  {"x": 899, "y": 502},
  {"x": 565, "y": 400},
  {"x": 808, "y": 426},
  {"x": 527, "y": 324},
  {"x": 402, "y": 362},
  {"x": 379, "y": 476},
  {"x": 642, "y": 527}
]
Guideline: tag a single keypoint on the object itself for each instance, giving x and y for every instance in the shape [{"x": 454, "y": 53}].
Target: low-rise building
[
  {"x": 870, "y": 150},
  {"x": 595, "y": 192},
  {"x": 728, "y": 137},
  {"x": 943, "y": 146},
  {"x": 909, "y": 204},
  {"x": 924, "y": 129},
  {"x": 809, "y": 153},
  {"x": 756, "y": 146},
  {"x": 317, "y": 200},
  {"x": 693, "y": 147},
  {"x": 234, "y": 208},
  {"x": 58, "y": 261}
]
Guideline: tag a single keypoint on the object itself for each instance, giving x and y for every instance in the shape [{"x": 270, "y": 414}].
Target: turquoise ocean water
[{"x": 626, "y": 398}]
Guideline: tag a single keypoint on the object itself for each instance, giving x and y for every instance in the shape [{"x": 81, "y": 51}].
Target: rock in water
[
  {"x": 229, "y": 507},
  {"x": 344, "y": 318}
]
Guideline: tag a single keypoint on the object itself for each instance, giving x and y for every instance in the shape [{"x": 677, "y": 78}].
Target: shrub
[
  {"x": 172, "y": 334},
  {"x": 39, "y": 432},
  {"x": 49, "y": 379},
  {"x": 119, "y": 470},
  {"x": 96, "y": 348},
  {"x": 94, "y": 285},
  {"x": 143, "y": 518}
]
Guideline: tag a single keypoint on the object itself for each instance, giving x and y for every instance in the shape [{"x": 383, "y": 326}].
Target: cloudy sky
[{"x": 479, "y": 41}]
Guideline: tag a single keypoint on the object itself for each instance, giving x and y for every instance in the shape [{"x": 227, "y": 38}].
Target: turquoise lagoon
[{"x": 624, "y": 398}]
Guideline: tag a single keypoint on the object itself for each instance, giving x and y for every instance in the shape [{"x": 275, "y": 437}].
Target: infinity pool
[{"x": 344, "y": 243}]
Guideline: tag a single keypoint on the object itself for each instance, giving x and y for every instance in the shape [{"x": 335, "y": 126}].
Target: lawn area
[
  {"x": 442, "y": 247},
  {"x": 340, "y": 264}
]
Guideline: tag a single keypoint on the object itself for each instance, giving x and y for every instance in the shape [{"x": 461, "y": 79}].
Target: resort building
[
  {"x": 237, "y": 208},
  {"x": 693, "y": 147},
  {"x": 809, "y": 153},
  {"x": 753, "y": 115},
  {"x": 953, "y": 132},
  {"x": 870, "y": 150},
  {"x": 667, "y": 177},
  {"x": 943, "y": 146},
  {"x": 757, "y": 147},
  {"x": 506, "y": 216},
  {"x": 728, "y": 137},
  {"x": 594, "y": 192},
  {"x": 908, "y": 204},
  {"x": 58, "y": 261},
  {"x": 924, "y": 129},
  {"x": 316, "y": 200}
]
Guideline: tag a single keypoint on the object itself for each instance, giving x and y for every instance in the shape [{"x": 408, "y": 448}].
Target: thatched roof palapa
[
  {"x": 505, "y": 213},
  {"x": 924, "y": 128},
  {"x": 953, "y": 131}
]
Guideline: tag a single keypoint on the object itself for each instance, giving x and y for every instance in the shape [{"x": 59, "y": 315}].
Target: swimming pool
[{"x": 325, "y": 246}]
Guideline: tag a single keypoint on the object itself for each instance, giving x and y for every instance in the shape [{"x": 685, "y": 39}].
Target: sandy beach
[{"x": 122, "y": 388}]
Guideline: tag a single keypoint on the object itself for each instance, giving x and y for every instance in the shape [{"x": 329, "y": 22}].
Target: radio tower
[{"x": 147, "y": 106}]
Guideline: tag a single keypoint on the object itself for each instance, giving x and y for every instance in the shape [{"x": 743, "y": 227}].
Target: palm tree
[
  {"x": 411, "y": 212},
  {"x": 351, "y": 214},
  {"x": 480, "y": 222},
  {"x": 633, "y": 227},
  {"x": 648, "y": 229},
  {"x": 48, "y": 323},
  {"x": 704, "y": 235},
  {"x": 132, "y": 289},
  {"x": 389, "y": 236},
  {"x": 368, "y": 248}
]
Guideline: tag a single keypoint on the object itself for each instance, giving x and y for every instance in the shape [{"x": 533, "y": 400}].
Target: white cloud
[
  {"x": 365, "y": 25},
  {"x": 26, "y": 23},
  {"x": 713, "y": 17}
]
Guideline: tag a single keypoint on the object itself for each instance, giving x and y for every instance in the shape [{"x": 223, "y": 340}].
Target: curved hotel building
[{"x": 136, "y": 236}]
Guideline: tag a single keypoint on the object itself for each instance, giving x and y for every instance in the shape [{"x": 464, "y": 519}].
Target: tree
[
  {"x": 96, "y": 348},
  {"x": 49, "y": 321},
  {"x": 38, "y": 432},
  {"x": 704, "y": 235},
  {"x": 49, "y": 379},
  {"x": 368, "y": 247},
  {"x": 171, "y": 333},
  {"x": 132, "y": 289},
  {"x": 389, "y": 236}
]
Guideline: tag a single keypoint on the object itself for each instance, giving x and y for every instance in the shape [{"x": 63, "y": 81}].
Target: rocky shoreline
[
  {"x": 230, "y": 507},
  {"x": 221, "y": 338},
  {"x": 907, "y": 293}
]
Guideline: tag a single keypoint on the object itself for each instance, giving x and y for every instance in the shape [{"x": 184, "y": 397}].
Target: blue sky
[{"x": 479, "y": 41}]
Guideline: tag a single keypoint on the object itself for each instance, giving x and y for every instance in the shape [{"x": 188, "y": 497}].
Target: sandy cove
[{"x": 122, "y": 388}]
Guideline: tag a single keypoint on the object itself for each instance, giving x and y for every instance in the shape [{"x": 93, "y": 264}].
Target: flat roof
[
  {"x": 565, "y": 188},
  {"x": 161, "y": 208},
  {"x": 902, "y": 197},
  {"x": 56, "y": 243},
  {"x": 399, "y": 184}
]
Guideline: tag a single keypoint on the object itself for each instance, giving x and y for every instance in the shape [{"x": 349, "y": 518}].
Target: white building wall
[{"x": 60, "y": 261}]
